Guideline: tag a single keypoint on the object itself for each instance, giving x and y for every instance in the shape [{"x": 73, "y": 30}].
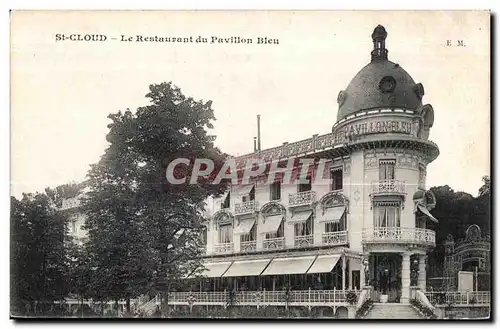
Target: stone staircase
[{"x": 392, "y": 311}]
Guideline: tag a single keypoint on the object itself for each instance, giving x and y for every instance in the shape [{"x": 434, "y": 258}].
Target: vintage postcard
[{"x": 250, "y": 164}]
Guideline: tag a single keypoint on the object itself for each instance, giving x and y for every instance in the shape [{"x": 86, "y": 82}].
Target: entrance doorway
[{"x": 385, "y": 276}]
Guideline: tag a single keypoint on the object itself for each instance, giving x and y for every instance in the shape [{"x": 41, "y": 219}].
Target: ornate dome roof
[{"x": 380, "y": 84}]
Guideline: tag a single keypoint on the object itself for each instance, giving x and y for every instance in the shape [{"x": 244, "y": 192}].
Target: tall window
[
  {"x": 275, "y": 191},
  {"x": 278, "y": 234},
  {"x": 305, "y": 187},
  {"x": 304, "y": 228},
  {"x": 225, "y": 233},
  {"x": 227, "y": 202},
  {"x": 251, "y": 236},
  {"x": 336, "y": 176},
  {"x": 387, "y": 169},
  {"x": 387, "y": 215},
  {"x": 73, "y": 226},
  {"x": 336, "y": 226}
]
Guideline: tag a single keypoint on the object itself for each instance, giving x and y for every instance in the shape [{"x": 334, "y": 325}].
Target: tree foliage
[
  {"x": 144, "y": 231},
  {"x": 39, "y": 254},
  {"x": 456, "y": 211}
]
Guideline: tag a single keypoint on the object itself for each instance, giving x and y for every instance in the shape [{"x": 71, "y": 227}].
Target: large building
[{"x": 364, "y": 223}]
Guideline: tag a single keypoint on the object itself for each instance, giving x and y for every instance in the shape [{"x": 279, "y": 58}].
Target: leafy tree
[
  {"x": 456, "y": 211},
  {"x": 38, "y": 254},
  {"x": 144, "y": 231}
]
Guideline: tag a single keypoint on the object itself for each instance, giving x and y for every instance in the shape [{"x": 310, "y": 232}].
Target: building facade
[{"x": 359, "y": 221}]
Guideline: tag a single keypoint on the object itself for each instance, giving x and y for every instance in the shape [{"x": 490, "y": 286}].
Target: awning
[
  {"x": 333, "y": 214},
  {"x": 247, "y": 268},
  {"x": 271, "y": 224},
  {"x": 299, "y": 217},
  {"x": 244, "y": 226},
  {"x": 426, "y": 212},
  {"x": 292, "y": 265},
  {"x": 324, "y": 264},
  {"x": 243, "y": 190},
  {"x": 215, "y": 270}
]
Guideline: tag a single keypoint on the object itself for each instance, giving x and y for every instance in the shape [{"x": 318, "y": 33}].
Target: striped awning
[
  {"x": 215, "y": 270},
  {"x": 426, "y": 212},
  {"x": 299, "y": 217},
  {"x": 271, "y": 224},
  {"x": 247, "y": 268},
  {"x": 244, "y": 189},
  {"x": 324, "y": 264},
  {"x": 333, "y": 214},
  {"x": 244, "y": 226},
  {"x": 291, "y": 265}
]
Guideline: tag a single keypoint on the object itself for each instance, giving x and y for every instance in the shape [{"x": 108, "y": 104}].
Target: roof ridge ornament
[{"x": 379, "y": 51}]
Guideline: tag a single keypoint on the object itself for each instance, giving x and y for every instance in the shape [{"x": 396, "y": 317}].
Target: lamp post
[{"x": 190, "y": 300}]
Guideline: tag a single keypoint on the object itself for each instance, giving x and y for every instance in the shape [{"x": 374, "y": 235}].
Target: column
[
  {"x": 405, "y": 278},
  {"x": 343, "y": 271},
  {"x": 421, "y": 272}
]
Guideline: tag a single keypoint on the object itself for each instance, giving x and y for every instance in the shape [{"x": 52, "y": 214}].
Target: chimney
[{"x": 258, "y": 132}]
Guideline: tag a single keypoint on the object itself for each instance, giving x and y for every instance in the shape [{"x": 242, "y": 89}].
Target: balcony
[
  {"x": 248, "y": 246},
  {"x": 388, "y": 187},
  {"x": 301, "y": 198},
  {"x": 335, "y": 238},
  {"x": 223, "y": 248},
  {"x": 246, "y": 207},
  {"x": 399, "y": 235},
  {"x": 274, "y": 243},
  {"x": 303, "y": 241}
]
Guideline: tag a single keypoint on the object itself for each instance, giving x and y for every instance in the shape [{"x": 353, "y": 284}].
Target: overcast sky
[{"x": 62, "y": 91}]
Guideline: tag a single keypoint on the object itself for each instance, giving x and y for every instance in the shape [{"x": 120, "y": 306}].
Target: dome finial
[{"x": 378, "y": 36}]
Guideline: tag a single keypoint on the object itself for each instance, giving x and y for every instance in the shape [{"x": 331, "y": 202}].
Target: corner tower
[{"x": 383, "y": 126}]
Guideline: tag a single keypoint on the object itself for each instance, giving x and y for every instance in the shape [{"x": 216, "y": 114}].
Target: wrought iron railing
[
  {"x": 458, "y": 298},
  {"x": 335, "y": 238},
  {"x": 223, "y": 248},
  {"x": 248, "y": 246},
  {"x": 399, "y": 235},
  {"x": 274, "y": 243},
  {"x": 388, "y": 186},
  {"x": 246, "y": 207},
  {"x": 264, "y": 298},
  {"x": 301, "y": 198},
  {"x": 303, "y": 241}
]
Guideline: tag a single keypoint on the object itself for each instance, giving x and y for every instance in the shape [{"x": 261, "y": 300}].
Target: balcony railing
[
  {"x": 263, "y": 298},
  {"x": 388, "y": 186},
  {"x": 248, "y": 246},
  {"x": 223, "y": 248},
  {"x": 399, "y": 235},
  {"x": 301, "y": 198},
  {"x": 274, "y": 243},
  {"x": 303, "y": 241},
  {"x": 246, "y": 207},
  {"x": 458, "y": 298},
  {"x": 335, "y": 238}
]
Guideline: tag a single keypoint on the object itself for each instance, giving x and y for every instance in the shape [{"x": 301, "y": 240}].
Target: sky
[{"x": 63, "y": 91}]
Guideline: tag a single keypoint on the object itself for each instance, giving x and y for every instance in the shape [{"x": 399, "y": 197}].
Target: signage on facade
[{"x": 375, "y": 127}]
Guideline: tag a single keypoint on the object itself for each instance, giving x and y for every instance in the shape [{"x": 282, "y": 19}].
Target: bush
[
  {"x": 351, "y": 298},
  {"x": 426, "y": 311},
  {"x": 361, "y": 312}
]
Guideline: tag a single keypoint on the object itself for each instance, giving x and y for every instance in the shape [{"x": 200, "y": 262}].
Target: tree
[
  {"x": 38, "y": 254},
  {"x": 144, "y": 231}
]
